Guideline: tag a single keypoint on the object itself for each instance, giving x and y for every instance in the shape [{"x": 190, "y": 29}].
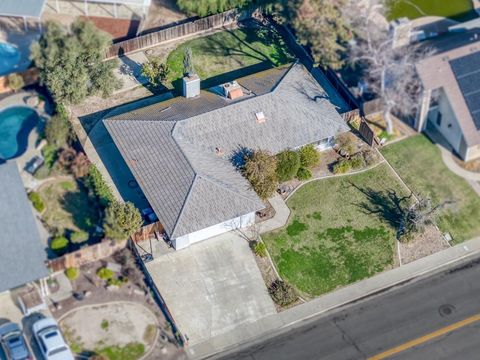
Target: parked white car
[{"x": 50, "y": 340}]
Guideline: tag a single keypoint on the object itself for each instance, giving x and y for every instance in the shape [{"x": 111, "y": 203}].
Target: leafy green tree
[
  {"x": 58, "y": 131},
  {"x": 71, "y": 63},
  {"x": 209, "y": 7},
  {"x": 121, "y": 220},
  {"x": 288, "y": 163},
  {"x": 15, "y": 82},
  {"x": 260, "y": 170},
  {"x": 155, "y": 71},
  {"x": 303, "y": 174},
  {"x": 99, "y": 187},
  {"x": 309, "y": 156},
  {"x": 319, "y": 24}
]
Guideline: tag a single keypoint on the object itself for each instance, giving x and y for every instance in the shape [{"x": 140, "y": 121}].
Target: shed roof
[
  {"x": 22, "y": 8},
  {"x": 22, "y": 256},
  {"x": 182, "y": 151}
]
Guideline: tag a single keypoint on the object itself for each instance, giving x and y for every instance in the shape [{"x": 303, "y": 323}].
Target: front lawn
[
  {"x": 68, "y": 207},
  {"x": 340, "y": 230},
  {"x": 228, "y": 51},
  {"x": 418, "y": 161}
]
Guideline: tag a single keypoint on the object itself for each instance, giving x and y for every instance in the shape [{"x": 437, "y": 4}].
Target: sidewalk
[
  {"x": 343, "y": 296},
  {"x": 282, "y": 212}
]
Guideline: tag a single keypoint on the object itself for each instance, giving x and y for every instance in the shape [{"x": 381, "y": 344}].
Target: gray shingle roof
[
  {"x": 170, "y": 147},
  {"x": 22, "y": 256}
]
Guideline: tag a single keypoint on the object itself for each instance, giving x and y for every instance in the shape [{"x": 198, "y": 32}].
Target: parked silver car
[
  {"x": 50, "y": 340},
  {"x": 13, "y": 343}
]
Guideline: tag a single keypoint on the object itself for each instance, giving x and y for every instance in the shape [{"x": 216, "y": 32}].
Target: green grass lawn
[
  {"x": 455, "y": 9},
  {"x": 230, "y": 50},
  {"x": 332, "y": 238},
  {"x": 420, "y": 165},
  {"x": 132, "y": 351},
  {"x": 68, "y": 207}
]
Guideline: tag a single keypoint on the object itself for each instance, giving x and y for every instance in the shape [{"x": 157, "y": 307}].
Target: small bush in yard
[
  {"x": 369, "y": 156},
  {"x": 357, "y": 161},
  {"x": 341, "y": 166},
  {"x": 309, "y": 156},
  {"x": 79, "y": 237},
  {"x": 59, "y": 244},
  {"x": 72, "y": 273},
  {"x": 346, "y": 144},
  {"x": 37, "y": 201},
  {"x": 303, "y": 174},
  {"x": 117, "y": 281},
  {"x": 259, "y": 249},
  {"x": 288, "y": 163},
  {"x": 282, "y": 293},
  {"x": 105, "y": 273}
]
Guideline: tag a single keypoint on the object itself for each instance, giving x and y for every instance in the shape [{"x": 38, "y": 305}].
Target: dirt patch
[
  {"x": 427, "y": 243},
  {"x": 473, "y": 165},
  {"x": 111, "y": 324}
]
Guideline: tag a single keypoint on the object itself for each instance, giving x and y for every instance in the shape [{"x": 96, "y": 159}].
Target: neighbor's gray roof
[
  {"x": 22, "y": 8},
  {"x": 170, "y": 146},
  {"x": 22, "y": 257}
]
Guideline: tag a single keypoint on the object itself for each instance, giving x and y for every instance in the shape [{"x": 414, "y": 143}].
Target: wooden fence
[{"x": 177, "y": 31}]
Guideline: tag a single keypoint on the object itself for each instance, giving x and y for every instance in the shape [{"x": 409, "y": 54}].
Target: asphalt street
[{"x": 430, "y": 318}]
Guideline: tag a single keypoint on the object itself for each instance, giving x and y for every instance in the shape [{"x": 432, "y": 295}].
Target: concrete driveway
[{"x": 212, "y": 287}]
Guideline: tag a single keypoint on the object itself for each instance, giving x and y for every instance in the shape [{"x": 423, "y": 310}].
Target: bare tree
[{"x": 390, "y": 72}]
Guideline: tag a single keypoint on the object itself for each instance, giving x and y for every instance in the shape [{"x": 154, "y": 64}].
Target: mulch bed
[
  {"x": 473, "y": 165},
  {"x": 427, "y": 243}
]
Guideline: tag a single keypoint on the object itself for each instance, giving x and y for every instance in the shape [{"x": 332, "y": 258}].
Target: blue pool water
[
  {"x": 9, "y": 58},
  {"x": 16, "y": 123}
]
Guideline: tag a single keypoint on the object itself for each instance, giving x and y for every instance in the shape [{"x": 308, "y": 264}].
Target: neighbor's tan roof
[{"x": 436, "y": 72}]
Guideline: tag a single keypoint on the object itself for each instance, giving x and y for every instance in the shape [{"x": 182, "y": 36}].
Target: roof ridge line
[{"x": 210, "y": 179}]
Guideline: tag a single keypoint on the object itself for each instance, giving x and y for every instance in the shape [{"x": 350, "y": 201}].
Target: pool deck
[{"x": 30, "y": 183}]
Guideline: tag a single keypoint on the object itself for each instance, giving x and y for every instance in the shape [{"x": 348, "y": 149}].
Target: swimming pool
[
  {"x": 16, "y": 123},
  {"x": 9, "y": 58}
]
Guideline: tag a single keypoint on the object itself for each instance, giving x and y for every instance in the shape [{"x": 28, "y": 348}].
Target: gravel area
[{"x": 427, "y": 243}]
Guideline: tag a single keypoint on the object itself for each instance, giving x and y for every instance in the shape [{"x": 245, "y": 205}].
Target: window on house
[{"x": 439, "y": 119}]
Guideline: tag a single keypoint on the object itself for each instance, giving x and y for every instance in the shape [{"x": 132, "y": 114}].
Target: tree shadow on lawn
[
  {"x": 82, "y": 207},
  {"x": 387, "y": 205}
]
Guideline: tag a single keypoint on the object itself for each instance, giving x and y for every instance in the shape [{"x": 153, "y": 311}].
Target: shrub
[
  {"x": 15, "y": 81},
  {"x": 59, "y": 244},
  {"x": 369, "y": 156},
  {"x": 50, "y": 154},
  {"x": 105, "y": 273},
  {"x": 282, "y": 293},
  {"x": 78, "y": 237},
  {"x": 303, "y": 174},
  {"x": 66, "y": 158},
  {"x": 99, "y": 187},
  {"x": 118, "y": 282},
  {"x": 37, "y": 201},
  {"x": 260, "y": 171},
  {"x": 121, "y": 220},
  {"x": 341, "y": 166},
  {"x": 309, "y": 156},
  {"x": 346, "y": 144},
  {"x": 288, "y": 163},
  {"x": 72, "y": 273},
  {"x": 104, "y": 324},
  {"x": 207, "y": 7},
  {"x": 58, "y": 131},
  {"x": 259, "y": 249},
  {"x": 155, "y": 71},
  {"x": 357, "y": 161},
  {"x": 80, "y": 166}
]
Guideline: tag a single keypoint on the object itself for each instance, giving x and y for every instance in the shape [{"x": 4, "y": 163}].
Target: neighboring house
[
  {"x": 185, "y": 152},
  {"x": 451, "y": 98},
  {"x": 22, "y": 256}
]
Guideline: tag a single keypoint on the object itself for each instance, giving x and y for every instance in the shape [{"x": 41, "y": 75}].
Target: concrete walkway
[
  {"x": 282, "y": 212},
  {"x": 447, "y": 157},
  {"x": 343, "y": 296}
]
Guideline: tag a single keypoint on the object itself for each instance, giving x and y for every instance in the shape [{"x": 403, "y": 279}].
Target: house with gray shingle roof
[
  {"x": 183, "y": 152},
  {"x": 22, "y": 255}
]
